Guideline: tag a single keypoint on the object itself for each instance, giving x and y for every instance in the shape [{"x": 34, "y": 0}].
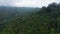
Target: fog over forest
[
  {"x": 27, "y": 3},
  {"x": 29, "y": 17}
]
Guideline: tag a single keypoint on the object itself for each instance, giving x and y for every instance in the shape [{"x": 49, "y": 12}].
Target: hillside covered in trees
[{"x": 45, "y": 20}]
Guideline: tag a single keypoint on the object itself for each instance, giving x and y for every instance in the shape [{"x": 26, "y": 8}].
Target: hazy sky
[{"x": 27, "y": 3}]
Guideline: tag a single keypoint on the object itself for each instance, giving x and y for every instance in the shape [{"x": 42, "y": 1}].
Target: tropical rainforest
[{"x": 28, "y": 20}]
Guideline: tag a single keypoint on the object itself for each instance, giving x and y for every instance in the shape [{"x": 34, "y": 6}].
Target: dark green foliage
[{"x": 45, "y": 21}]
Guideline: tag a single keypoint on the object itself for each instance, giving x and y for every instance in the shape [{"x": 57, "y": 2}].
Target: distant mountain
[
  {"x": 13, "y": 11},
  {"x": 7, "y": 12},
  {"x": 18, "y": 9}
]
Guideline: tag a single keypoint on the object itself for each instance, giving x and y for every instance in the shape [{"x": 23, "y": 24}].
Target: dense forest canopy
[{"x": 22, "y": 20}]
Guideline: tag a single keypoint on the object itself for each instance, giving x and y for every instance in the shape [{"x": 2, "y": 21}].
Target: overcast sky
[{"x": 27, "y": 3}]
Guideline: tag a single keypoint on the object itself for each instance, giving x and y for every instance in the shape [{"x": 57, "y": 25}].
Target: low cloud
[{"x": 27, "y": 3}]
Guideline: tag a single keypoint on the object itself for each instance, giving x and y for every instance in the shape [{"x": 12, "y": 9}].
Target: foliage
[{"x": 44, "y": 21}]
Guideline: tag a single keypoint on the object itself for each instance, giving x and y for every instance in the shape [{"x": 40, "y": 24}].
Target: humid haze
[
  {"x": 27, "y": 3},
  {"x": 29, "y": 16}
]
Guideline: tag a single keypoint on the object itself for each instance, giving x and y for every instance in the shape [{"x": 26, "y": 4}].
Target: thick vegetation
[{"x": 44, "y": 21}]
